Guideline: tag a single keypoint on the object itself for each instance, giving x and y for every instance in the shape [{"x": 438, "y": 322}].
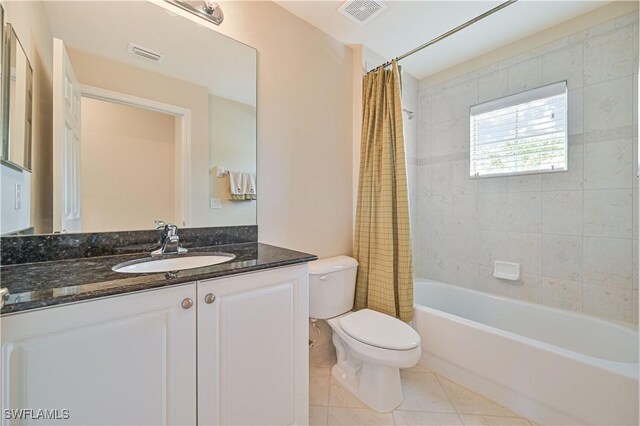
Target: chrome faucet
[{"x": 169, "y": 240}]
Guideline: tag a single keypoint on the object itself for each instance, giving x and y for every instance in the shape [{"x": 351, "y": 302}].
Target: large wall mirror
[
  {"x": 139, "y": 114},
  {"x": 18, "y": 103}
]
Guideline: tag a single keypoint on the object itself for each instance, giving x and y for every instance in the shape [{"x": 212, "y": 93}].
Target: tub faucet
[{"x": 169, "y": 240}]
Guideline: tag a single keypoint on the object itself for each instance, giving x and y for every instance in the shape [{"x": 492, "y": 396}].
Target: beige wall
[
  {"x": 123, "y": 187},
  {"x": 103, "y": 73},
  {"x": 304, "y": 128},
  {"x": 32, "y": 29},
  {"x": 232, "y": 127}
]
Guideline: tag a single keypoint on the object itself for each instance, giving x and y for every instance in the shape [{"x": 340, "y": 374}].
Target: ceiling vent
[
  {"x": 148, "y": 54},
  {"x": 362, "y": 11}
]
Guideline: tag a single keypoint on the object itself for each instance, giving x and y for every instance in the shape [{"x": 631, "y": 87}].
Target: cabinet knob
[
  {"x": 210, "y": 298},
  {"x": 187, "y": 303}
]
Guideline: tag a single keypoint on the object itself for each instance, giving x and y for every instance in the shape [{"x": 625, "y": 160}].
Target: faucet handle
[
  {"x": 168, "y": 236},
  {"x": 170, "y": 230},
  {"x": 160, "y": 224}
]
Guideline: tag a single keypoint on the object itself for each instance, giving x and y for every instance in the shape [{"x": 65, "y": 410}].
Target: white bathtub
[{"x": 552, "y": 366}]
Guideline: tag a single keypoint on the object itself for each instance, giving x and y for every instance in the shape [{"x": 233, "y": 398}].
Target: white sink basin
[{"x": 171, "y": 264}]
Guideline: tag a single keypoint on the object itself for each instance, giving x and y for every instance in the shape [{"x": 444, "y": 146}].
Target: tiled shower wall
[{"x": 574, "y": 233}]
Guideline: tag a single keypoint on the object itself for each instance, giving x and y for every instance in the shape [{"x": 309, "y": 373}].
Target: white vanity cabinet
[
  {"x": 253, "y": 348},
  {"x": 232, "y": 350},
  {"x": 129, "y": 359}
]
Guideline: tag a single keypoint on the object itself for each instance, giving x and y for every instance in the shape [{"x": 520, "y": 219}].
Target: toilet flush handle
[{"x": 323, "y": 278}]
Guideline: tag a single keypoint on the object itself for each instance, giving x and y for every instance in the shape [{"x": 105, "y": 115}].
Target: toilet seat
[{"x": 379, "y": 330}]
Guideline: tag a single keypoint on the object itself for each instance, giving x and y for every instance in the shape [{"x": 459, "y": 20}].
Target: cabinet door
[
  {"x": 253, "y": 348},
  {"x": 128, "y": 359}
]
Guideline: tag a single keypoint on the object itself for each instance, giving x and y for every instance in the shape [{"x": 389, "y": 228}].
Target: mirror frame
[{"x": 9, "y": 37}]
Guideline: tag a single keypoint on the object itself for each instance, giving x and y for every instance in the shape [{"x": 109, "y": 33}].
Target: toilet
[{"x": 371, "y": 347}]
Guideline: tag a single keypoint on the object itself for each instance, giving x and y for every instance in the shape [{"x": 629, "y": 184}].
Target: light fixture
[
  {"x": 214, "y": 10},
  {"x": 206, "y": 9}
]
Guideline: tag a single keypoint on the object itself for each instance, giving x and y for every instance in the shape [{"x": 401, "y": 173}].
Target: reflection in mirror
[
  {"x": 18, "y": 104},
  {"x": 142, "y": 119},
  {"x": 2, "y": 82}
]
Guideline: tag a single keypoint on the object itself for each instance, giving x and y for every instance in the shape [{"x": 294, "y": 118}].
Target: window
[{"x": 522, "y": 133}]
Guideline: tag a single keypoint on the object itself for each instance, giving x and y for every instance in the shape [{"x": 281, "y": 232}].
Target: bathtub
[{"x": 552, "y": 366}]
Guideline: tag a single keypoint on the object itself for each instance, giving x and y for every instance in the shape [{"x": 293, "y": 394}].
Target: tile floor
[{"x": 429, "y": 399}]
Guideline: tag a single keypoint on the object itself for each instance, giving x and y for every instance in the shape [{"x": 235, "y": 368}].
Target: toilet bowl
[
  {"x": 371, "y": 346},
  {"x": 369, "y": 358}
]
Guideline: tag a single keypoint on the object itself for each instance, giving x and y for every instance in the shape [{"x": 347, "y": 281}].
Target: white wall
[
  {"x": 12, "y": 219},
  {"x": 574, "y": 233},
  {"x": 232, "y": 143}
]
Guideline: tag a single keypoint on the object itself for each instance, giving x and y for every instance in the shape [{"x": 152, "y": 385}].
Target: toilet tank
[{"x": 332, "y": 286}]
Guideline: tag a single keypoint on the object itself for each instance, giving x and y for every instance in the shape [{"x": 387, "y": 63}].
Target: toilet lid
[{"x": 377, "y": 329}]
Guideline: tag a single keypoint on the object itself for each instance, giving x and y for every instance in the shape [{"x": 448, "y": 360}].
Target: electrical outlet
[{"x": 18, "y": 197}]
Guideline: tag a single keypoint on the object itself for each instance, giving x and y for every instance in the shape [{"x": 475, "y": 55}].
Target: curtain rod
[{"x": 448, "y": 33}]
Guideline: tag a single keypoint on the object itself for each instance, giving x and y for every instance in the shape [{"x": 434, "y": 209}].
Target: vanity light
[
  {"x": 212, "y": 8},
  {"x": 206, "y": 9}
]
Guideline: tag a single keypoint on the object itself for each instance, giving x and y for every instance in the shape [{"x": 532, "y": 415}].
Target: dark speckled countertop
[{"x": 36, "y": 285}]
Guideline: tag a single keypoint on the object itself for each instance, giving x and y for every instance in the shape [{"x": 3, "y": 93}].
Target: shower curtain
[{"x": 382, "y": 243}]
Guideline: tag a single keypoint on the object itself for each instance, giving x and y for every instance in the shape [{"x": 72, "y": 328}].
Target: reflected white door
[{"x": 66, "y": 143}]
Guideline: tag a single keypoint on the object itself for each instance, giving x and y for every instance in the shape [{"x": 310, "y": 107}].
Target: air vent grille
[
  {"x": 362, "y": 11},
  {"x": 148, "y": 54}
]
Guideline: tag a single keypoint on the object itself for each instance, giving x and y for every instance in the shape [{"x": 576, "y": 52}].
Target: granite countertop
[{"x": 36, "y": 285}]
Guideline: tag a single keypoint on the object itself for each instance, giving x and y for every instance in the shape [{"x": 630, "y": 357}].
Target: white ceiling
[
  {"x": 408, "y": 24},
  {"x": 194, "y": 53}
]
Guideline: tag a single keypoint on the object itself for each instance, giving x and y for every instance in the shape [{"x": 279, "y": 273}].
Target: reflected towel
[
  {"x": 250, "y": 192},
  {"x": 236, "y": 185}
]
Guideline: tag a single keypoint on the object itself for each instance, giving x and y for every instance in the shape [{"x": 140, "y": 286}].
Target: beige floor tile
[
  {"x": 322, "y": 355},
  {"x": 317, "y": 415},
  {"x": 423, "y": 392},
  {"x": 425, "y": 418},
  {"x": 357, "y": 416},
  {"x": 430, "y": 399},
  {"x": 319, "y": 385},
  {"x": 340, "y": 397},
  {"x": 493, "y": 420},
  {"x": 319, "y": 371},
  {"x": 468, "y": 402}
]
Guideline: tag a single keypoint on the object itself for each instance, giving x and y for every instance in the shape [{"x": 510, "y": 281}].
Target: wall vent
[
  {"x": 148, "y": 54},
  {"x": 362, "y": 11}
]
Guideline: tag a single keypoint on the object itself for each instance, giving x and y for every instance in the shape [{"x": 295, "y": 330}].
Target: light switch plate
[
  {"x": 18, "y": 197},
  {"x": 216, "y": 203}
]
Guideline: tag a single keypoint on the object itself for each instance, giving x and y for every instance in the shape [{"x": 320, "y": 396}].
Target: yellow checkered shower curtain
[{"x": 382, "y": 243}]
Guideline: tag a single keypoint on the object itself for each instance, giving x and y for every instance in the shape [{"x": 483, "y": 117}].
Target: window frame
[{"x": 529, "y": 95}]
